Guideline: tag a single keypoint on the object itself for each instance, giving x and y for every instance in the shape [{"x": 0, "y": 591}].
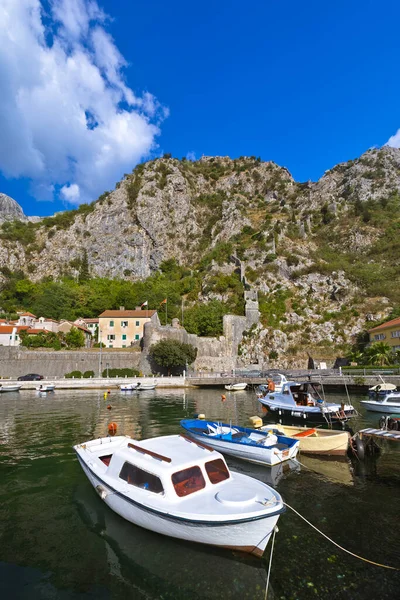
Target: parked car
[{"x": 31, "y": 377}]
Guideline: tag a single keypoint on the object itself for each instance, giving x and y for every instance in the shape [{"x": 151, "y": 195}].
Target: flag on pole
[
  {"x": 144, "y": 304},
  {"x": 163, "y": 302}
]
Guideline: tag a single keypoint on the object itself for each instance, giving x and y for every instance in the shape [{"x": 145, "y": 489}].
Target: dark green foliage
[
  {"x": 41, "y": 340},
  {"x": 173, "y": 354},
  {"x": 88, "y": 374},
  {"x": 132, "y": 189},
  {"x": 17, "y": 231},
  {"x": 84, "y": 274},
  {"x": 75, "y": 338},
  {"x": 73, "y": 375},
  {"x": 205, "y": 319},
  {"x": 120, "y": 373}
]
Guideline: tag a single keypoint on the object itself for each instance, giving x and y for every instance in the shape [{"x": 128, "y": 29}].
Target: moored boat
[
  {"x": 381, "y": 389},
  {"x": 321, "y": 442},
  {"x": 242, "y": 442},
  {"x": 180, "y": 488},
  {"x": 389, "y": 403},
  {"x": 147, "y": 386},
  {"x": 10, "y": 388},
  {"x": 301, "y": 402},
  {"x": 235, "y": 387},
  {"x": 129, "y": 387},
  {"x": 46, "y": 388}
]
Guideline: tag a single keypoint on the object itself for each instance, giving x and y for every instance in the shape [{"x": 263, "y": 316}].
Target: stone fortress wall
[{"x": 213, "y": 354}]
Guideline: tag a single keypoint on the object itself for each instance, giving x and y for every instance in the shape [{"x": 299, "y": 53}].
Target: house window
[
  {"x": 137, "y": 323},
  {"x": 124, "y": 336},
  {"x": 137, "y": 337},
  {"x": 142, "y": 479},
  {"x": 396, "y": 334},
  {"x": 379, "y": 336},
  {"x": 111, "y": 337},
  {"x": 111, "y": 323},
  {"x": 124, "y": 323}
]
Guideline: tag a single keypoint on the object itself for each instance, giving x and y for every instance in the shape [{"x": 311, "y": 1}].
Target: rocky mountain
[
  {"x": 10, "y": 210},
  {"x": 323, "y": 255}
]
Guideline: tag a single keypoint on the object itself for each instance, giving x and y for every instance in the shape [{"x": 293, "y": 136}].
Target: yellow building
[
  {"x": 124, "y": 328},
  {"x": 388, "y": 332}
]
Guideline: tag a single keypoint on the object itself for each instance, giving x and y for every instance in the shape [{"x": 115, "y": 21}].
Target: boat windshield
[
  {"x": 217, "y": 471},
  {"x": 140, "y": 478},
  {"x": 188, "y": 481}
]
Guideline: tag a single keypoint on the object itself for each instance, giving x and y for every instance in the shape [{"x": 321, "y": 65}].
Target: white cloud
[
  {"x": 66, "y": 111},
  {"x": 394, "y": 140},
  {"x": 71, "y": 192}
]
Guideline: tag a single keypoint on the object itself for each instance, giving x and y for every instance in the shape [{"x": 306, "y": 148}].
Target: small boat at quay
[
  {"x": 177, "y": 487},
  {"x": 381, "y": 389},
  {"x": 236, "y": 387},
  {"x": 139, "y": 386},
  {"x": 301, "y": 402},
  {"x": 46, "y": 388},
  {"x": 242, "y": 442},
  {"x": 9, "y": 388},
  {"x": 389, "y": 403},
  {"x": 318, "y": 442}
]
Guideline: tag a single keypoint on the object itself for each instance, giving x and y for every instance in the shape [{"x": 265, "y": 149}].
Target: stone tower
[{"x": 251, "y": 308}]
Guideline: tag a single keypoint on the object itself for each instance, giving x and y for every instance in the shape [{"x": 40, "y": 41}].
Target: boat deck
[{"x": 380, "y": 433}]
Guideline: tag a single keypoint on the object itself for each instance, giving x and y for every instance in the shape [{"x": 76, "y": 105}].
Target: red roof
[
  {"x": 34, "y": 331},
  {"x": 386, "y": 325},
  {"x": 11, "y": 328},
  {"x": 26, "y": 314},
  {"x": 144, "y": 314}
]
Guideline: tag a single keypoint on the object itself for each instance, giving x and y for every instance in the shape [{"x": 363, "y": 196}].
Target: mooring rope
[
  {"x": 338, "y": 545},
  {"x": 270, "y": 563}
]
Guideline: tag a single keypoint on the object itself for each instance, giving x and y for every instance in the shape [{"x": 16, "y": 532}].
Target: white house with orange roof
[
  {"x": 10, "y": 334},
  {"x": 124, "y": 328}
]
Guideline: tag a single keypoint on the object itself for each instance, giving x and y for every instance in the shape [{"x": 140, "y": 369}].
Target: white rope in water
[
  {"x": 270, "y": 563},
  {"x": 337, "y": 545}
]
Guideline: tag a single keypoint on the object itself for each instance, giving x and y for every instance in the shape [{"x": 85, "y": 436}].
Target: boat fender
[
  {"x": 112, "y": 428},
  {"x": 201, "y": 416},
  {"x": 360, "y": 447},
  {"x": 101, "y": 492}
]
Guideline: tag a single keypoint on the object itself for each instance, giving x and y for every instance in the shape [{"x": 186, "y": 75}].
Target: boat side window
[
  {"x": 395, "y": 399},
  {"x": 217, "y": 471},
  {"x": 106, "y": 459},
  {"x": 188, "y": 481},
  {"x": 142, "y": 479}
]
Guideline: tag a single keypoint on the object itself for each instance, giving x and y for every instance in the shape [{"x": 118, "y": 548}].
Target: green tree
[
  {"x": 84, "y": 274},
  {"x": 379, "y": 354},
  {"x": 172, "y": 354},
  {"x": 75, "y": 338}
]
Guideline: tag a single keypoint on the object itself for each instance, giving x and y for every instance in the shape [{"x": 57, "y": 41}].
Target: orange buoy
[
  {"x": 109, "y": 407},
  {"x": 108, "y": 391},
  {"x": 223, "y": 397},
  {"x": 112, "y": 428}
]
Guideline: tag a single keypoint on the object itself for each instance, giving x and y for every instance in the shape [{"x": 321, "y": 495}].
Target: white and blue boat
[
  {"x": 242, "y": 442},
  {"x": 302, "y": 403}
]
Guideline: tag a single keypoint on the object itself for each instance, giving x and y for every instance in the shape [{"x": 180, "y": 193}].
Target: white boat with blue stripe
[
  {"x": 178, "y": 487},
  {"x": 242, "y": 442}
]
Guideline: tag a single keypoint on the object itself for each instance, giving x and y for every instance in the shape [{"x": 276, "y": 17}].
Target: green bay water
[{"x": 58, "y": 540}]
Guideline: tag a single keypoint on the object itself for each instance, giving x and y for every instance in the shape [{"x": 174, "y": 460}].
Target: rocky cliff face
[
  {"x": 10, "y": 210},
  {"x": 312, "y": 250}
]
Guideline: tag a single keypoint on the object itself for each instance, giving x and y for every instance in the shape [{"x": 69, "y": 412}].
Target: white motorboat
[
  {"x": 129, "y": 387},
  {"x": 235, "y": 387},
  {"x": 390, "y": 403},
  {"x": 46, "y": 388},
  {"x": 242, "y": 442},
  {"x": 302, "y": 402},
  {"x": 177, "y": 487},
  {"x": 146, "y": 386},
  {"x": 10, "y": 388}
]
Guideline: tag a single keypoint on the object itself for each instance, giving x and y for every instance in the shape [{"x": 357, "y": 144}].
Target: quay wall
[{"x": 16, "y": 361}]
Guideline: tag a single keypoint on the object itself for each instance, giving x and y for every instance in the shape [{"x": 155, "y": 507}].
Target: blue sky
[{"x": 306, "y": 84}]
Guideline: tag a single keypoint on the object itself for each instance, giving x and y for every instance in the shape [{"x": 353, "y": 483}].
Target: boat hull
[
  {"x": 322, "y": 443},
  {"x": 236, "y": 387},
  {"x": 380, "y": 407},
  {"x": 259, "y": 455},
  {"x": 10, "y": 388},
  {"x": 248, "y": 535},
  {"x": 296, "y": 415}
]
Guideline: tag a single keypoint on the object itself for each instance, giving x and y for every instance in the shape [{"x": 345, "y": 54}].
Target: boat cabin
[
  {"x": 299, "y": 394},
  {"x": 189, "y": 467}
]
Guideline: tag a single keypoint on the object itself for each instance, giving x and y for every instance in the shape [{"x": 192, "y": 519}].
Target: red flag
[{"x": 164, "y": 301}]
